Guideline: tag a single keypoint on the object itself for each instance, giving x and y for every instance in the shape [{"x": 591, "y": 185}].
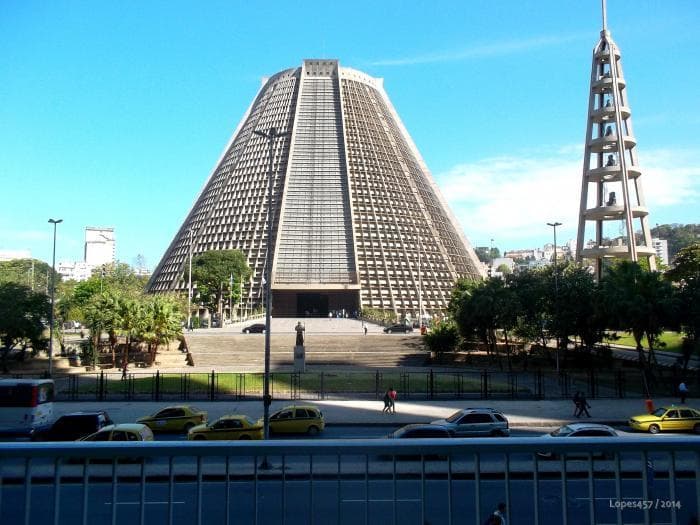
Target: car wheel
[
  {"x": 654, "y": 429},
  {"x": 312, "y": 431},
  {"x": 496, "y": 433},
  {"x": 199, "y": 437},
  {"x": 408, "y": 331},
  {"x": 262, "y": 331},
  {"x": 696, "y": 428},
  {"x": 187, "y": 427},
  {"x": 245, "y": 437},
  {"x": 246, "y": 331}
]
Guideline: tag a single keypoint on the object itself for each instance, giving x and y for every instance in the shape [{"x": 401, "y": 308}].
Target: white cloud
[
  {"x": 512, "y": 198},
  {"x": 476, "y": 51}
]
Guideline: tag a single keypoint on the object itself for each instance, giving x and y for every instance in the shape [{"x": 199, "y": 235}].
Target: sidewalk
[{"x": 543, "y": 413}]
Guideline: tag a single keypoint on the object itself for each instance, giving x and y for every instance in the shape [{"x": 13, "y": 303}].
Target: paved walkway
[{"x": 544, "y": 413}]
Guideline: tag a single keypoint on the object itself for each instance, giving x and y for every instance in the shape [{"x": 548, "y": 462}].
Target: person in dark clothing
[
  {"x": 577, "y": 400},
  {"x": 387, "y": 401},
  {"x": 583, "y": 407}
]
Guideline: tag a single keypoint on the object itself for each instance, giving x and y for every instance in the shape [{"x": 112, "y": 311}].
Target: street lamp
[
  {"x": 53, "y": 289},
  {"x": 491, "y": 259},
  {"x": 189, "y": 284},
  {"x": 270, "y": 136},
  {"x": 556, "y": 273}
]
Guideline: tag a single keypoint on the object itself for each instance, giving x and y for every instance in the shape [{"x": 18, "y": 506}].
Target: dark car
[
  {"x": 257, "y": 328},
  {"x": 421, "y": 431},
  {"x": 76, "y": 425},
  {"x": 398, "y": 328}
]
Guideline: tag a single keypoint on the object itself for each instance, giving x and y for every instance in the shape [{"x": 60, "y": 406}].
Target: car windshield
[
  {"x": 251, "y": 422},
  {"x": 659, "y": 412},
  {"x": 562, "y": 432},
  {"x": 454, "y": 417}
]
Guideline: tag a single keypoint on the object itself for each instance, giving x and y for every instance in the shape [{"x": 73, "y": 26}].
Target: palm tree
[
  {"x": 161, "y": 322},
  {"x": 130, "y": 322}
]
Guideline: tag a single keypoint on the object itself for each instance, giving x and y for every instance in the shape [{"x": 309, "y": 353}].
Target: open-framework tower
[
  {"x": 357, "y": 220},
  {"x": 613, "y": 213}
]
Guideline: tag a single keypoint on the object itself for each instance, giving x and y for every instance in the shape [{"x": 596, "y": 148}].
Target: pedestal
[{"x": 299, "y": 358}]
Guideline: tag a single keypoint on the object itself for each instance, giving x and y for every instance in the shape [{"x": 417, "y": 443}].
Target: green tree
[
  {"x": 576, "y": 309},
  {"x": 101, "y": 315},
  {"x": 504, "y": 269},
  {"x": 686, "y": 273},
  {"x": 641, "y": 302},
  {"x": 443, "y": 338},
  {"x": 486, "y": 254},
  {"x": 484, "y": 307},
  {"x": 686, "y": 264},
  {"x": 534, "y": 292},
  {"x": 162, "y": 322},
  {"x": 212, "y": 272},
  {"x": 23, "y": 314},
  {"x": 33, "y": 273}
]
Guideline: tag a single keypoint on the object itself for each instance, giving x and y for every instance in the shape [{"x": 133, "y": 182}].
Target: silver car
[{"x": 476, "y": 422}]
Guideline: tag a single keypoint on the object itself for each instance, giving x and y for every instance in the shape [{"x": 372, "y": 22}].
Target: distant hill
[{"x": 678, "y": 236}]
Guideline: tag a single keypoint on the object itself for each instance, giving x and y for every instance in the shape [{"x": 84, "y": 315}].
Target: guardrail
[
  {"x": 636, "y": 480},
  {"x": 429, "y": 384}
]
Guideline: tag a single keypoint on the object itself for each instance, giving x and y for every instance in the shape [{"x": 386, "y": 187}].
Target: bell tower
[{"x": 613, "y": 215}]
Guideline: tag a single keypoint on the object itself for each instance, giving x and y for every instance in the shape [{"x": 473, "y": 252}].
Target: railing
[
  {"x": 636, "y": 480},
  {"x": 478, "y": 384}
]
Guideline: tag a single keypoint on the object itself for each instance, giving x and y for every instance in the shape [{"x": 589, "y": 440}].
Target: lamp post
[
  {"x": 270, "y": 136},
  {"x": 189, "y": 284},
  {"x": 556, "y": 271},
  {"x": 53, "y": 289},
  {"x": 556, "y": 274},
  {"x": 491, "y": 259}
]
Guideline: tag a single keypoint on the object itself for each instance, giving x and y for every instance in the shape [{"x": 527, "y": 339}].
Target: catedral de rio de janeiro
[{"x": 349, "y": 264}]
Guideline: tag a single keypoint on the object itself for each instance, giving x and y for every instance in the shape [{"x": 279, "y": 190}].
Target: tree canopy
[{"x": 212, "y": 272}]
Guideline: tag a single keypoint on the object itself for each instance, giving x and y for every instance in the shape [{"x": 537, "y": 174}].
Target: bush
[{"x": 443, "y": 338}]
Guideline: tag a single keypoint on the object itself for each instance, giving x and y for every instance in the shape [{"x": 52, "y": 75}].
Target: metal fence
[
  {"x": 429, "y": 384},
  {"x": 591, "y": 481}
]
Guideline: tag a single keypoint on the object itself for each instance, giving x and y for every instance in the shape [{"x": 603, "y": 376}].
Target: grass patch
[{"x": 671, "y": 341}]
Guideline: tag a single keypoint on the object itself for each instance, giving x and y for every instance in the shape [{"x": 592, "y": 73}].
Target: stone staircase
[{"x": 246, "y": 352}]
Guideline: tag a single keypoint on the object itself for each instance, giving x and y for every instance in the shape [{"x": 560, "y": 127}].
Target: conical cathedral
[
  {"x": 357, "y": 221},
  {"x": 613, "y": 217}
]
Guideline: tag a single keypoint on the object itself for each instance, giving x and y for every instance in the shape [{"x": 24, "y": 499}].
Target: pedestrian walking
[
  {"x": 387, "y": 402},
  {"x": 365, "y": 328},
  {"x": 683, "y": 391},
  {"x": 583, "y": 407},
  {"x": 498, "y": 516},
  {"x": 393, "y": 395},
  {"x": 577, "y": 400},
  {"x": 125, "y": 365}
]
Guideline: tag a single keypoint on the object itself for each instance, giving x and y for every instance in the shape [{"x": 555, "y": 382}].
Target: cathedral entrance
[
  {"x": 315, "y": 303},
  {"x": 312, "y": 304}
]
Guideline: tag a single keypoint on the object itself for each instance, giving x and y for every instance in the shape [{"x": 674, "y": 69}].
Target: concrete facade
[{"x": 357, "y": 220}]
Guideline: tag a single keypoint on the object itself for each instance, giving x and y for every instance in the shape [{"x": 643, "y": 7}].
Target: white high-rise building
[
  {"x": 661, "y": 247},
  {"x": 99, "y": 246}
]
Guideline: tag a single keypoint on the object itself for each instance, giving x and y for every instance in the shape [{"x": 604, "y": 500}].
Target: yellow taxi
[
  {"x": 668, "y": 419},
  {"x": 121, "y": 432},
  {"x": 228, "y": 427},
  {"x": 178, "y": 418},
  {"x": 303, "y": 419}
]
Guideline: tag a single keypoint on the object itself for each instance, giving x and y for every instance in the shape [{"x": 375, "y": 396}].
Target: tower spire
[
  {"x": 605, "y": 15},
  {"x": 613, "y": 213}
]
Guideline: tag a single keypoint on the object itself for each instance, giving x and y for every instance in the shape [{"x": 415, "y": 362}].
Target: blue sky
[{"x": 114, "y": 113}]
